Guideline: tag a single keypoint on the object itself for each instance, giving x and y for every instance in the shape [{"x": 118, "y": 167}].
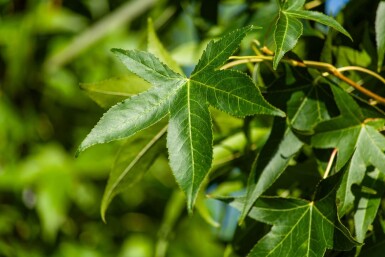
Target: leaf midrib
[
  {"x": 291, "y": 230},
  {"x": 223, "y": 91}
]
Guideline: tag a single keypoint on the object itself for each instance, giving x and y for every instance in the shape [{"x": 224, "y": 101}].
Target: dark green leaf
[
  {"x": 186, "y": 100},
  {"x": 281, "y": 146},
  {"x": 300, "y": 227}
]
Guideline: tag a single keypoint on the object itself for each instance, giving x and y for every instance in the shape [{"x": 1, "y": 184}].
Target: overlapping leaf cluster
[{"x": 320, "y": 114}]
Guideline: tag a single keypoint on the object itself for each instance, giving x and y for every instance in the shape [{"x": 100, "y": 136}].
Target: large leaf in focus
[
  {"x": 380, "y": 33},
  {"x": 289, "y": 28},
  {"x": 135, "y": 157},
  {"x": 275, "y": 156},
  {"x": 186, "y": 101},
  {"x": 356, "y": 139},
  {"x": 300, "y": 227},
  {"x": 109, "y": 92}
]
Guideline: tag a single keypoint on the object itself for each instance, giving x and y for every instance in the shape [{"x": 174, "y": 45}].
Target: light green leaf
[
  {"x": 359, "y": 145},
  {"x": 369, "y": 151},
  {"x": 292, "y": 4},
  {"x": 368, "y": 203},
  {"x": 300, "y": 227},
  {"x": 353, "y": 174},
  {"x": 186, "y": 100},
  {"x": 318, "y": 17},
  {"x": 281, "y": 146},
  {"x": 134, "y": 158},
  {"x": 286, "y": 35},
  {"x": 380, "y": 34},
  {"x": 155, "y": 47},
  {"x": 109, "y": 92}
]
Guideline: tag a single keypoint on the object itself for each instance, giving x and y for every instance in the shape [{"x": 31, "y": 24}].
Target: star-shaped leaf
[
  {"x": 185, "y": 101},
  {"x": 300, "y": 227},
  {"x": 358, "y": 142},
  {"x": 288, "y": 27}
]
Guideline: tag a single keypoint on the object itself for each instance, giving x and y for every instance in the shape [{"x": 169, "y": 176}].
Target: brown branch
[{"x": 307, "y": 64}]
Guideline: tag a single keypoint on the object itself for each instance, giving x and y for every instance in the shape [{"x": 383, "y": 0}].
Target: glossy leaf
[
  {"x": 134, "y": 158},
  {"x": 275, "y": 156},
  {"x": 380, "y": 33},
  {"x": 300, "y": 227},
  {"x": 186, "y": 101}
]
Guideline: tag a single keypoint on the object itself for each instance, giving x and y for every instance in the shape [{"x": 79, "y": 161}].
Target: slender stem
[
  {"x": 312, "y": 4},
  {"x": 364, "y": 70},
  {"x": 330, "y": 163},
  {"x": 330, "y": 69}
]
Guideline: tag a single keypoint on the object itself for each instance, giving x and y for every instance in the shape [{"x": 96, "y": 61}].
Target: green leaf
[
  {"x": 292, "y": 4},
  {"x": 300, "y": 227},
  {"x": 286, "y": 35},
  {"x": 148, "y": 67},
  {"x": 341, "y": 132},
  {"x": 380, "y": 34},
  {"x": 288, "y": 27},
  {"x": 359, "y": 145},
  {"x": 368, "y": 203},
  {"x": 307, "y": 105},
  {"x": 186, "y": 101},
  {"x": 275, "y": 156},
  {"x": 109, "y": 92},
  {"x": 155, "y": 47},
  {"x": 130, "y": 116},
  {"x": 318, "y": 17},
  {"x": 134, "y": 158}
]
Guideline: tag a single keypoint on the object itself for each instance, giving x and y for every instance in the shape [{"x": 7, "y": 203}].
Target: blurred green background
[{"x": 49, "y": 200}]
